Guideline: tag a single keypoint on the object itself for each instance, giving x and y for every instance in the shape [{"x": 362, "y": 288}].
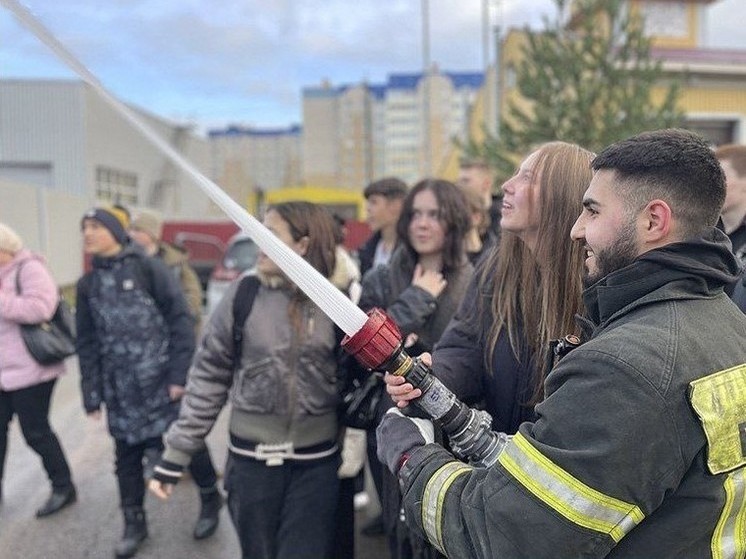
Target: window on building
[
  {"x": 718, "y": 132},
  {"x": 116, "y": 186}
]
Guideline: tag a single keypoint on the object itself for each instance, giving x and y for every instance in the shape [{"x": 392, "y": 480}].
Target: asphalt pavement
[{"x": 90, "y": 528}]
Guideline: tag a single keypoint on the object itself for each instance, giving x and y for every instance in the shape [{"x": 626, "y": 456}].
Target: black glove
[
  {"x": 167, "y": 472},
  {"x": 398, "y": 436}
]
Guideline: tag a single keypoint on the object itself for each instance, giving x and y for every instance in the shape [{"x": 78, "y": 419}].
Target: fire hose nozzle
[
  {"x": 378, "y": 346},
  {"x": 376, "y": 342}
]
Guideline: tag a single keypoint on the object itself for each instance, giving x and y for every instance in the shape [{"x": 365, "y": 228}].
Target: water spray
[{"x": 373, "y": 339}]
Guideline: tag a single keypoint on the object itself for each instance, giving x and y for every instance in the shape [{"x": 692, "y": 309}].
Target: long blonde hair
[{"x": 538, "y": 294}]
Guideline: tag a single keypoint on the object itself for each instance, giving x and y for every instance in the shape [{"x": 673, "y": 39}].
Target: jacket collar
[
  {"x": 697, "y": 267},
  {"x": 108, "y": 261}
]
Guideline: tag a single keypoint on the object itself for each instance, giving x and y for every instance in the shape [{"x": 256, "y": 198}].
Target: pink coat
[{"x": 37, "y": 302}]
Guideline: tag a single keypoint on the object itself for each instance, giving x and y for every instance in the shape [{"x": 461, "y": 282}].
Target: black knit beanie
[{"x": 114, "y": 219}]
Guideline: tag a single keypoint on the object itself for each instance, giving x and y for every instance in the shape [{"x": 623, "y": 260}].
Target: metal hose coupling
[{"x": 378, "y": 346}]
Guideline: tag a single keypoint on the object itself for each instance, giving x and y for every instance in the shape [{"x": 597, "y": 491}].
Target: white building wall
[
  {"x": 403, "y": 131},
  {"x": 246, "y": 159},
  {"x": 378, "y": 117},
  {"x": 115, "y": 145},
  {"x": 42, "y": 138},
  {"x": 55, "y": 134},
  {"x": 48, "y": 221}
]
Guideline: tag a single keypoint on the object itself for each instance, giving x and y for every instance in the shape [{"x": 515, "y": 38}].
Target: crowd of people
[{"x": 628, "y": 444}]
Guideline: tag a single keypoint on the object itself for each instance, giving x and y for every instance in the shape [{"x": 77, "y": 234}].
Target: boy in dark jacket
[{"x": 135, "y": 345}]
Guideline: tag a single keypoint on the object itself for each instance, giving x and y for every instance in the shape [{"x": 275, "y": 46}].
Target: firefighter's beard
[{"x": 619, "y": 254}]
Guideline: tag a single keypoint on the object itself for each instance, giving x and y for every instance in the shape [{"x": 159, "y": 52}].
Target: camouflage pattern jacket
[{"x": 135, "y": 338}]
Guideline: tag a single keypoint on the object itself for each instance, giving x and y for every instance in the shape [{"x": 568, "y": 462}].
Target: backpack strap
[
  {"x": 18, "y": 277},
  {"x": 242, "y": 303},
  {"x": 144, "y": 273}
]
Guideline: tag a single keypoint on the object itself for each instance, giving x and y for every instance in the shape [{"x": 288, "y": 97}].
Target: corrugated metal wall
[
  {"x": 56, "y": 134},
  {"x": 42, "y": 128}
]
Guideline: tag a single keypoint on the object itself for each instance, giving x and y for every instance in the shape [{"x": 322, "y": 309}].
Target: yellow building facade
[{"x": 712, "y": 81}]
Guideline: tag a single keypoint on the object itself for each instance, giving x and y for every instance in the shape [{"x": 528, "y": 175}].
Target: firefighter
[{"x": 639, "y": 447}]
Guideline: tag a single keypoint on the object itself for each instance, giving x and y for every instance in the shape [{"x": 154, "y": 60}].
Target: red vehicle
[
  {"x": 219, "y": 252},
  {"x": 204, "y": 241}
]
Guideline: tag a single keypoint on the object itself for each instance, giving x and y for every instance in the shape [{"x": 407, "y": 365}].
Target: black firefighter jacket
[{"x": 638, "y": 450}]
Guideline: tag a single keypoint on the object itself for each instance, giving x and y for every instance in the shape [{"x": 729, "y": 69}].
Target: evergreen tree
[{"x": 590, "y": 84}]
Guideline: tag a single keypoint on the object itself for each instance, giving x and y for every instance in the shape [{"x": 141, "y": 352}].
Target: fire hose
[{"x": 373, "y": 339}]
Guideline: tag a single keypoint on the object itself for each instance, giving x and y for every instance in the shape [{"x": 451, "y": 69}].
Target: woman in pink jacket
[{"x": 28, "y": 295}]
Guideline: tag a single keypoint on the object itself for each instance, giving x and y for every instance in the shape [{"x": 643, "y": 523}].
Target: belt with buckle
[{"x": 275, "y": 454}]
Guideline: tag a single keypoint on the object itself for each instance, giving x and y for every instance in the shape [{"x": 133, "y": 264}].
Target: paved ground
[{"x": 90, "y": 528}]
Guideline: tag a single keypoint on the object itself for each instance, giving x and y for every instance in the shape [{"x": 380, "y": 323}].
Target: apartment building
[
  {"x": 353, "y": 134},
  {"x": 247, "y": 161}
]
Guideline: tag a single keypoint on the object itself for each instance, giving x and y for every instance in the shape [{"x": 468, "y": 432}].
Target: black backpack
[{"x": 243, "y": 301}]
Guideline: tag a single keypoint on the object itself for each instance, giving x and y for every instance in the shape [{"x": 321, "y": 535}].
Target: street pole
[{"x": 427, "y": 143}]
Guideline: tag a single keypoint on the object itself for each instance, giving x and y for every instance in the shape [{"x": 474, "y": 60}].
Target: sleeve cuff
[{"x": 177, "y": 457}]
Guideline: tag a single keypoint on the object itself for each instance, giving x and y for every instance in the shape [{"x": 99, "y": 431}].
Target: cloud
[{"x": 249, "y": 59}]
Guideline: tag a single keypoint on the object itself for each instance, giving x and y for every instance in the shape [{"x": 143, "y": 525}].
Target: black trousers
[
  {"x": 129, "y": 469},
  {"x": 31, "y": 406},
  {"x": 344, "y": 541},
  {"x": 286, "y": 511}
]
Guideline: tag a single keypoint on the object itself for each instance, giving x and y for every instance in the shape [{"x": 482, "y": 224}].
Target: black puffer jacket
[
  {"x": 135, "y": 338},
  {"x": 413, "y": 309}
]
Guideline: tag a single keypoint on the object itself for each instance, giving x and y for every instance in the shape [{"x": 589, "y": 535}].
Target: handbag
[
  {"x": 353, "y": 453},
  {"x": 51, "y": 341},
  {"x": 360, "y": 401}
]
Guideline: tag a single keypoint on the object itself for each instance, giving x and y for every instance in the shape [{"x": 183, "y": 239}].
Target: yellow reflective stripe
[
  {"x": 729, "y": 538},
  {"x": 434, "y": 497},
  {"x": 567, "y": 495}
]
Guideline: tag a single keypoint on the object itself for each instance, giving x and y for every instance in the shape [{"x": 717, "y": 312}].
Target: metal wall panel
[{"x": 41, "y": 126}]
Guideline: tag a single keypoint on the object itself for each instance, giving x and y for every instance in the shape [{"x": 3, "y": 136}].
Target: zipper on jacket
[{"x": 295, "y": 342}]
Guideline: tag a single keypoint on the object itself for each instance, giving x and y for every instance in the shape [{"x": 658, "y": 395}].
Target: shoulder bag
[
  {"x": 51, "y": 341},
  {"x": 360, "y": 401}
]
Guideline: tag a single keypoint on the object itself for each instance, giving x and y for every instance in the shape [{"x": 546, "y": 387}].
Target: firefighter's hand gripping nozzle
[{"x": 378, "y": 345}]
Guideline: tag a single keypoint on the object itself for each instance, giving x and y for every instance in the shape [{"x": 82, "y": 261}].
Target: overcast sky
[{"x": 246, "y": 61}]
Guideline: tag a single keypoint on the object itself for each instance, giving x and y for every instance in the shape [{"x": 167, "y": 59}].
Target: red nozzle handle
[{"x": 376, "y": 342}]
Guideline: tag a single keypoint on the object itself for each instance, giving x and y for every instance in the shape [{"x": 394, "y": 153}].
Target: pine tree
[{"x": 590, "y": 84}]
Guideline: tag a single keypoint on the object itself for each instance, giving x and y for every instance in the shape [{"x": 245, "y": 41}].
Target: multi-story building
[
  {"x": 247, "y": 161},
  {"x": 62, "y": 136},
  {"x": 406, "y": 127},
  {"x": 713, "y": 81}
]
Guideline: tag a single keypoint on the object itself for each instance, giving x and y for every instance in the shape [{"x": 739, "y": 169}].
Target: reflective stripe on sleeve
[
  {"x": 567, "y": 495},
  {"x": 434, "y": 497},
  {"x": 729, "y": 538}
]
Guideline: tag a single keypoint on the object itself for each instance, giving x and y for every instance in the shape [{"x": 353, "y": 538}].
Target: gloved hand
[{"x": 399, "y": 435}]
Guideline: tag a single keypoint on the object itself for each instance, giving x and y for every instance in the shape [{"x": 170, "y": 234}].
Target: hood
[
  {"x": 345, "y": 270},
  {"x": 698, "y": 267},
  {"x": 172, "y": 254}
]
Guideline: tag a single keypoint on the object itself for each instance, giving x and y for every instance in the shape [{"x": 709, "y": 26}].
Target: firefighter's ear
[{"x": 657, "y": 224}]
